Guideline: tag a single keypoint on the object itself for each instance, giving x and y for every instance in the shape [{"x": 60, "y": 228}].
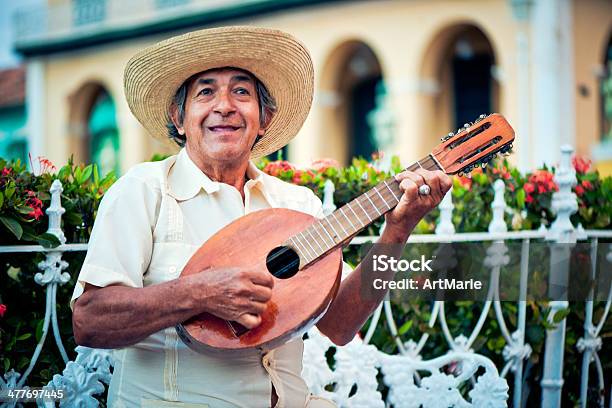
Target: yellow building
[{"x": 443, "y": 62}]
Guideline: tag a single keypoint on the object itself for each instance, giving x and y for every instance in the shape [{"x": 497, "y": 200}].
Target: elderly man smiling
[{"x": 227, "y": 95}]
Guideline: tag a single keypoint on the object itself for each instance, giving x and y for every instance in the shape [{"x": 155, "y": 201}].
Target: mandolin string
[{"x": 348, "y": 220}]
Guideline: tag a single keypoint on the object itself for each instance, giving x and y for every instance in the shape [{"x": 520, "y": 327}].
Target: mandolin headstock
[{"x": 475, "y": 144}]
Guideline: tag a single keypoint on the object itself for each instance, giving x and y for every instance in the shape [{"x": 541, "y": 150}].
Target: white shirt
[{"x": 148, "y": 225}]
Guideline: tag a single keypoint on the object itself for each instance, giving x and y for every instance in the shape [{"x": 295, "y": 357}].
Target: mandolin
[{"x": 304, "y": 253}]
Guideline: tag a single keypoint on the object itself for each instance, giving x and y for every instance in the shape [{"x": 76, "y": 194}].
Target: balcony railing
[
  {"x": 357, "y": 364},
  {"x": 79, "y": 19}
]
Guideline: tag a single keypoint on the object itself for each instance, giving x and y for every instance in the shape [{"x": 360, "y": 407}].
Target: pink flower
[
  {"x": 2, "y": 310},
  {"x": 579, "y": 190},
  {"x": 581, "y": 164},
  {"x": 321, "y": 165},
  {"x": 6, "y": 171},
  {"x": 276, "y": 167},
  {"x": 529, "y": 188},
  {"x": 587, "y": 184}
]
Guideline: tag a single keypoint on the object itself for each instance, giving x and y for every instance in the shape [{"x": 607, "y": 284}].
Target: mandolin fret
[{"x": 354, "y": 216}]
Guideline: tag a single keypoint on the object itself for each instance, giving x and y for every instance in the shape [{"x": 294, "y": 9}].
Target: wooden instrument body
[{"x": 297, "y": 302}]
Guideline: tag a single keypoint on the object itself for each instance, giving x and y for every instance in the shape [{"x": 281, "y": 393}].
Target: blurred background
[{"x": 391, "y": 75}]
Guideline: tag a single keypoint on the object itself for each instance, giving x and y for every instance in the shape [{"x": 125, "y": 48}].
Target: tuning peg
[
  {"x": 445, "y": 138},
  {"x": 480, "y": 118}
]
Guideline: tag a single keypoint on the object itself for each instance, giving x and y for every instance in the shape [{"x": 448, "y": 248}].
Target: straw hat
[{"x": 277, "y": 59}]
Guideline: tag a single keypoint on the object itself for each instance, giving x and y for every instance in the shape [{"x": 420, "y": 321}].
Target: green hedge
[{"x": 24, "y": 195}]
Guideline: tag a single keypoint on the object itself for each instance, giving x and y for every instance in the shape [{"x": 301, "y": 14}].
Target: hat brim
[{"x": 277, "y": 59}]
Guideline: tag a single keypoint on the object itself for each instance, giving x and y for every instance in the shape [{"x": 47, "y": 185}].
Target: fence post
[
  {"x": 445, "y": 225},
  {"x": 328, "y": 197},
  {"x": 562, "y": 231}
]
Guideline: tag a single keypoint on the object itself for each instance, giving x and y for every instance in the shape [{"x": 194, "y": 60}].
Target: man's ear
[{"x": 174, "y": 116}]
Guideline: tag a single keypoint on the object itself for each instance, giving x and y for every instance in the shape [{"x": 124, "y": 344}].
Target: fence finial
[
  {"x": 499, "y": 208},
  {"x": 564, "y": 202},
  {"x": 445, "y": 226},
  {"x": 55, "y": 211},
  {"x": 328, "y": 197}
]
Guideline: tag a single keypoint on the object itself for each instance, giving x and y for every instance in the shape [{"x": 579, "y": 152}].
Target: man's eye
[
  {"x": 205, "y": 91},
  {"x": 242, "y": 91}
]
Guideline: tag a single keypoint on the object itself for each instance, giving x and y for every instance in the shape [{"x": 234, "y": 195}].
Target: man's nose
[{"x": 224, "y": 105}]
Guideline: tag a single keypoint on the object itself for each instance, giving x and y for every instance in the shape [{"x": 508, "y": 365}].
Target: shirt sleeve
[{"x": 121, "y": 241}]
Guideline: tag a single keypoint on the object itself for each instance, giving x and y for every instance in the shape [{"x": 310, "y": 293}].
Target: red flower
[
  {"x": 44, "y": 165},
  {"x": 297, "y": 176},
  {"x": 503, "y": 172},
  {"x": 276, "y": 167},
  {"x": 528, "y": 199},
  {"x": 465, "y": 181},
  {"x": 32, "y": 201},
  {"x": 321, "y": 165},
  {"x": 587, "y": 184},
  {"x": 6, "y": 171},
  {"x": 543, "y": 179},
  {"x": 579, "y": 190},
  {"x": 36, "y": 213},
  {"x": 581, "y": 165},
  {"x": 529, "y": 188},
  {"x": 2, "y": 310}
]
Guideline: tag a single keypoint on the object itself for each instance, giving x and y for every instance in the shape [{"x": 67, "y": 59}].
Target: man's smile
[{"x": 223, "y": 128}]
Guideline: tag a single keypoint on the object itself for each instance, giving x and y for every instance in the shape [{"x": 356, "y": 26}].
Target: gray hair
[{"x": 267, "y": 107}]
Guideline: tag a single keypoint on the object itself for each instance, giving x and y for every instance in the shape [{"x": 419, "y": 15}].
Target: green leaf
[
  {"x": 64, "y": 172},
  {"x": 405, "y": 327},
  {"x": 520, "y": 198},
  {"x": 48, "y": 240},
  {"x": 24, "y": 336},
  {"x": 85, "y": 175},
  {"x": 39, "y": 329},
  {"x": 560, "y": 315},
  {"x": 1, "y": 199},
  {"x": 96, "y": 175},
  {"x": 10, "y": 190},
  {"x": 12, "y": 225}
]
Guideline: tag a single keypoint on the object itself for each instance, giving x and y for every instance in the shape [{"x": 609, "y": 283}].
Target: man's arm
[
  {"x": 350, "y": 309},
  {"x": 119, "y": 316}
]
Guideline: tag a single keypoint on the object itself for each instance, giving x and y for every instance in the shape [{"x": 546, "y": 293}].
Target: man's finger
[
  {"x": 261, "y": 293},
  {"x": 262, "y": 278},
  {"x": 432, "y": 180},
  {"x": 250, "y": 321}
]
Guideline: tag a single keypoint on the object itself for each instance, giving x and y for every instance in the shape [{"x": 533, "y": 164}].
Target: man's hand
[
  {"x": 234, "y": 294},
  {"x": 414, "y": 206}
]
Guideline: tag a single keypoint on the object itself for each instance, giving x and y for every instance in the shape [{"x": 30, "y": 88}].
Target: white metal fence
[{"x": 358, "y": 364}]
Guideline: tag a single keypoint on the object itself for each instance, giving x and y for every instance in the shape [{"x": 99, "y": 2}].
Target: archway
[
  {"x": 459, "y": 65},
  {"x": 93, "y": 127},
  {"x": 348, "y": 83}
]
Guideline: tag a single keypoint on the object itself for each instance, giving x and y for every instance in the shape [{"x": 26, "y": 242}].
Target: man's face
[{"x": 222, "y": 115}]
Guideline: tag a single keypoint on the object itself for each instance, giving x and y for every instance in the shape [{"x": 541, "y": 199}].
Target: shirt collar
[{"x": 185, "y": 179}]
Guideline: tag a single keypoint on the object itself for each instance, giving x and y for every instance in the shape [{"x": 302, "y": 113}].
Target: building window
[
  {"x": 161, "y": 4},
  {"x": 88, "y": 11}
]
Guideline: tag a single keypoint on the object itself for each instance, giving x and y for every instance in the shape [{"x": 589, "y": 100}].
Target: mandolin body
[{"x": 297, "y": 302}]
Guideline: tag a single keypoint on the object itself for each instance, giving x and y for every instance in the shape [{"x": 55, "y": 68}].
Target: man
[{"x": 226, "y": 95}]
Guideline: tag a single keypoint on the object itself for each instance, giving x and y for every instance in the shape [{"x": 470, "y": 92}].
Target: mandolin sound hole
[{"x": 283, "y": 262}]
